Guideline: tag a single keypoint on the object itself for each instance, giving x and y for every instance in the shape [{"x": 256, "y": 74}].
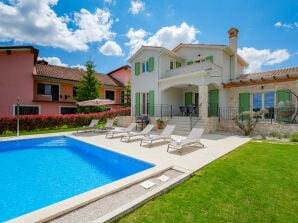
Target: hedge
[{"x": 40, "y": 122}]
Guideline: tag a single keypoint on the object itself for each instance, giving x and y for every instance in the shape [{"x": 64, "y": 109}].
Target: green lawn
[{"x": 258, "y": 182}]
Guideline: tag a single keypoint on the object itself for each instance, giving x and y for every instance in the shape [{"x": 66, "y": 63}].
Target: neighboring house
[
  {"x": 206, "y": 80},
  {"x": 47, "y": 89}
]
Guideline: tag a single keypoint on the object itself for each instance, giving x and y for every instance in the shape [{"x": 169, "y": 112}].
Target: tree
[
  {"x": 88, "y": 87},
  {"x": 127, "y": 92}
]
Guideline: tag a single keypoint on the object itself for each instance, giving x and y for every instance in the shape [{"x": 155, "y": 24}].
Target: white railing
[{"x": 187, "y": 69}]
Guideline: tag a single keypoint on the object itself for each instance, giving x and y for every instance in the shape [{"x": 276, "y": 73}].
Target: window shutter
[
  {"x": 244, "y": 103},
  {"x": 137, "y": 68},
  {"x": 189, "y": 62},
  {"x": 284, "y": 97},
  {"x": 178, "y": 64},
  {"x": 151, "y": 64},
  {"x": 213, "y": 103},
  {"x": 151, "y": 103},
  {"x": 137, "y": 107},
  {"x": 188, "y": 98},
  {"x": 209, "y": 58}
]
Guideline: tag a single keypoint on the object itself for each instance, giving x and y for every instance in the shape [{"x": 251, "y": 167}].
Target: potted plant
[{"x": 160, "y": 123}]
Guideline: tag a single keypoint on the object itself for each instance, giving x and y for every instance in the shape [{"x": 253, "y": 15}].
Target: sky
[{"x": 108, "y": 32}]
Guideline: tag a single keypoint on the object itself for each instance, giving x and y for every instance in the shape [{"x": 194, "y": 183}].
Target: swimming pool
[{"x": 35, "y": 173}]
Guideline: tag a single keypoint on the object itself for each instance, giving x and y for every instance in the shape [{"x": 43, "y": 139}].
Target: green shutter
[
  {"x": 284, "y": 97},
  {"x": 137, "y": 68},
  {"x": 213, "y": 103},
  {"x": 189, "y": 62},
  {"x": 244, "y": 104},
  {"x": 151, "y": 64},
  {"x": 209, "y": 58},
  {"x": 178, "y": 64},
  {"x": 137, "y": 107},
  {"x": 151, "y": 103},
  {"x": 188, "y": 98}
]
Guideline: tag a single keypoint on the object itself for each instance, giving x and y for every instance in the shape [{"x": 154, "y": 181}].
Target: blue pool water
[{"x": 35, "y": 173}]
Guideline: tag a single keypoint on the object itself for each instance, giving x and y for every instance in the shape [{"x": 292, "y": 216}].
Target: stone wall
[{"x": 262, "y": 128}]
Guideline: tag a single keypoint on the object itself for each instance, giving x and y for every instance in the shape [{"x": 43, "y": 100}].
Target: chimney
[{"x": 233, "y": 39}]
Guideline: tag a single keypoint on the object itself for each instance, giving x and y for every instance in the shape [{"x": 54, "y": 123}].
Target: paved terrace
[{"x": 108, "y": 202}]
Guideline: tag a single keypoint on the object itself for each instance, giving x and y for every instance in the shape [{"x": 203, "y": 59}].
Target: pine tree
[{"x": 89, "y": 85}]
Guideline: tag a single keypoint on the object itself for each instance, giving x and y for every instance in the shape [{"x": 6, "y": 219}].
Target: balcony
[{"x": 193, "y": 68}]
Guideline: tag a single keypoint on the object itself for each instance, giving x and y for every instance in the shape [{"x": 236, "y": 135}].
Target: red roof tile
[
  {"x": 71, "y": 74},
  {"x": 271, "y": 73}
]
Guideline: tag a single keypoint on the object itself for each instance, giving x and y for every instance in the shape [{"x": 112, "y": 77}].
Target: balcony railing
[{"x": 193, "y": 68}]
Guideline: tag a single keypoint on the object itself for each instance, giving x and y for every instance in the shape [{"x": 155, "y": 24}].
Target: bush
[
  {"x": 294, "y": 137},
  {"x": 41, "y": 122}
]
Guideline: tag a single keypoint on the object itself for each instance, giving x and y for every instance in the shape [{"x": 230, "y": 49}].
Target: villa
[
  {"x": 207, "y": 85},
  {"x": 48, "y": 89}
]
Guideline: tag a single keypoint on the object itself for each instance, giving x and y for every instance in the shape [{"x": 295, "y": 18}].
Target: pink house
[{"x": 47, "y": 89}]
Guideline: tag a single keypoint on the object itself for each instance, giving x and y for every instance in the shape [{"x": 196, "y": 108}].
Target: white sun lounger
[
  {"x": 192, "y": 140},
  {"x": 89, "y": 127},
  {"x": 144, "y": 132},
  {"x": 117, "y": 131},
  {"x": 108, "y": 126},
  {"x": 164, "y": 135}
]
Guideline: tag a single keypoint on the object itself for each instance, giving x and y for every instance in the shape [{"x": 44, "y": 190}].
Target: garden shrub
[
  {"x": 42, "y": 122},
  {"x": 294, "y": 137}
]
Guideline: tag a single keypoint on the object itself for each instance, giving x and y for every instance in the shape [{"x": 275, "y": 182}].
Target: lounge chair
[
  {"x": 108, "y": 126},
  {"x": 89, "y": 127},
  {"x": 117, "y": 131},
  {"x": 144, "y": 132},
  {"x": 165, "y": 135},
  {"x": 193, "y": 139}
]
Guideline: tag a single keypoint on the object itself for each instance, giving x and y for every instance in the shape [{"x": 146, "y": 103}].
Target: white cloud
[
  {"x": 136, "y": 7},
  {"x": 259, "y": 58},
  {"x": 111, "y": 48},
  {"x": 34, "y": 21},
  {"x": 286, "y": 25},
  {"x": 78, "y": 66},
  {"x": 53, "y": 61},
  {"x": 168, "y": 37}
]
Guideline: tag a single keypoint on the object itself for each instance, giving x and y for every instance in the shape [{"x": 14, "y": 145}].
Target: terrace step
[{"x": 183, "y": 125}]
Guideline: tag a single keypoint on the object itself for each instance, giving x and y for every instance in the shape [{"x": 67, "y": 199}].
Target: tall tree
[
  {"x": 89, "y": 85},
  {"x": 127, "y": 92}
]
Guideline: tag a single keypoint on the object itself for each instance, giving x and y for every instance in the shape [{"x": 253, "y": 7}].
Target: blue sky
[{"x": 108, "y": 32}]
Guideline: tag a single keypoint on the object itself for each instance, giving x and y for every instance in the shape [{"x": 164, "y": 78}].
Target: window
[
  {"x": 264, "y": 101},
  {"x": 110, "y": 95},
  {"x": 145, "y": 66},
  {"x": 256, "y": 102},
  {"x": 175, "y": 64},
  {"x": 49, "y": 89},
  {"x": 27, "y": 110},
  {"x": 68, "y": 110},
  {"x": 122, "y": 97}
]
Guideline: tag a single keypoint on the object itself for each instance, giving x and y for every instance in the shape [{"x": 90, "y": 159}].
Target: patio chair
[
  {"x": 192, "y": 140},
  {"x": 89, "y": 127},
  {"x": 144, "y": 132},
  {"x": 183, "y": 110},
  {"x": 110, "y": 134},
  {"x": 164, "y": 135},
  {"x": 108, "y": 126}
]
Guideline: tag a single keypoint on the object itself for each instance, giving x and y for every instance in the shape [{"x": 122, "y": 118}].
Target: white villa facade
[{"x": 205, "y": 80}]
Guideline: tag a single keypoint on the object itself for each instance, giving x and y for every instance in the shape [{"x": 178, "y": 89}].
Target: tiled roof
[
  {"x": 271, "y": 73},
  {"x": 71, "y": 74},
  {"x": 58, "y": 72}
]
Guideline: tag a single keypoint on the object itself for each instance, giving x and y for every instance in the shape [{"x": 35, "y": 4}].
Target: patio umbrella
[{"x": 96, "y": 102}]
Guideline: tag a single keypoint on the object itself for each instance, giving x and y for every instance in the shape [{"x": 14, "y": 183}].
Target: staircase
[{"x": 183, "y": 124}]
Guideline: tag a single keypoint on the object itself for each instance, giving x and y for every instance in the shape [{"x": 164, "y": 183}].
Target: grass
[{"x": 258, "y": 182}]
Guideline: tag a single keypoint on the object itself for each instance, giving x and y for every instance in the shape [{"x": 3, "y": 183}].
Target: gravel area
[{"x": 103, "y": 206}]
